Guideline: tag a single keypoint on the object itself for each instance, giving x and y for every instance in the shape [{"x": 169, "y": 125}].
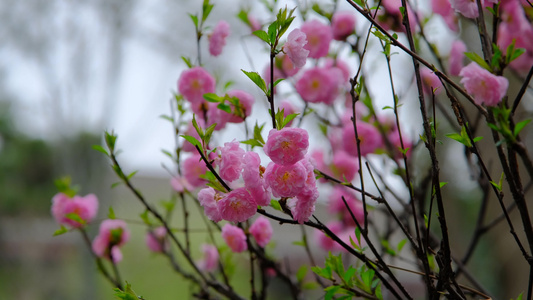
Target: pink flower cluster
[
  {"x": 156, "y": 239},
  {"x": 112, "y": 234},
  {"x": 234, "y": 238},
  {"x": 209, "y": 262},
  {"x": 487, "y": 88},
  {"x": 217, "y": 39},
  {"x": 294, "y": 48},
  {"x": 74, "y": 212},
  {"x": 193, "y": 84},
  {"x": 516, "y": 27},
  {"x": 290, "y": 174},
  {"x": 241, "y": 203}
]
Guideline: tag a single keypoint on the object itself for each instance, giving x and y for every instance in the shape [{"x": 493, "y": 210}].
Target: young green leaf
[
  {"x": 478, "y": 59},
  {"x": 257, "y": 79},
  {"x": 61, "y": 231}
]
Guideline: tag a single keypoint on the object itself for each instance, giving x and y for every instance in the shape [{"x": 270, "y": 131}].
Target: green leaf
[
  {"x": 206, "y": 9},
  {"x": 262, "y": 35},
  {"x": 187, "y": 61},
  {"x": 61, "y": 231},
  {"x": 400, "y": 246},
  {"x": 192, "y": 140},
  {"x": 224, "y": 107},
  {"x": 252, "y": 142},
  {"x": 257, "y": 79},
  {"x": 100, "y": 149},
  {"x": 300, "y": 274},
  {"x": 278, "y": 81},
  {"x": 194, "y": 19},
  {"x": 518, "y": 127},
  {"x": 477, "y": 139},
  {"x": 311, "y": 285},
  {"x": 114, "y": 185},
  {"x": 349, "y": 274},
  {"x": 478, "y": 59},
  {"x": 211, "y": 97},
  {"x": 131, "y": 175},
  {"x": 145, "y": 217},
  {"x": 111, "y": 213},
  {"x": 272, "y": 28},
  {"x": 75, "y": 217},
  {"x": 275, "y": 204},
  {"x": 127, "y": 294}
]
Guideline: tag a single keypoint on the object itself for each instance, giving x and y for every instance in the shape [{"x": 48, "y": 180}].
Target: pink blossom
[
  {"x": 444, "y": 8},
  {"x": 156, "y": 239},
  {"x": 244, "y": 108},
  {"x": 237, "y": 206},
  {"x": 327, "y": 243},
  {"x": 252, "y": 175},
  {"x": 342, "y": 66},
  {"x": 192, "y": 168},
  {"x": 234, "y": 237},
  {"x": 193, "y": 84},
  {"x": 294, "y": 48},
  {"x": 335, "y": 137},
  {"x": 261, "y": 231},
  {"x": 84, "y": 208},
  {"x": 344, "y": 166},
  {"x": 287, "y": 146},
  {"x": 516, "y": 27},
  {"x": 208, "y": 199},
  {"x": 342, "y": 25},
  {"x": 254, "y": 23},
  {"x": 217, "y": 39},
  {"x": 112, "y": 234},
  {"x": 303, "y": 206},
  {"x": 337, "y": 206},
  {"x": 457, "y": 56},
  {"x": 210, "y": 261},
  {"x": 391, "y": 17},
  {"x": 216, "y": 116},
  {"x": 231, "y": 161},
  {"x": 467, "y": 8},
  {"x": 285, "y": 65},
  {"x": 394, "y": 139},
  {"x": 286, "y": 181},
  {"x": 319, "y": 36},
  {"x": 369, "y": 137},
  {"x": 430, "y": 81},
  {"x": 180, "y": 184},
  {"x": 486, "y": 87},
  {"x": 319, "y": 85}
]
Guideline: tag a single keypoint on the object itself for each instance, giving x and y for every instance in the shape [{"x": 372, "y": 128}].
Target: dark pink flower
[
  {"x": 193, "y": 167},
  {"x": 344, "y": 166},
  {"x": 231, "y": 156},
  {"x": 193, "y": 84},
  {"x": 252, "y": 175},
  {"x": 156, "y": 239},
  {"x": 319, "y": 85},
  {"x": 294, "y": 48},
  {"x": 487, "y": 88},
  {"x": 287, "y": 146},
  {"x": 457, "y": 56},
  {"x": 74, "y": 212},
  {"x": 467, "y": 8},
  {"x": 244, "y": 108},
  {"x": 261, "y": 231},
  {"x": 237, "y": 206},
  {"x": 319, "y": 37},
  {"x": 210, "y": 261},
  {"x": 217, "y": 39},
  {"x": 234, "y": 237},
  {"x": 208, "y": 199},
  {"x": 342, "y": 25},
  {"x": 112, "y": 234},
  {"x": 369, "y": 137},
  {"x": 180, "y": 184},
  {"x": 286, "y": 181}
]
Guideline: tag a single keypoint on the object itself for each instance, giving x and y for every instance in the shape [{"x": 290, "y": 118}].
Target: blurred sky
[{"x": 72, "y": 66}]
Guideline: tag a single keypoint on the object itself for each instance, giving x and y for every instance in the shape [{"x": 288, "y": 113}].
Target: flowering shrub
[{"x": 331, "y": 153}]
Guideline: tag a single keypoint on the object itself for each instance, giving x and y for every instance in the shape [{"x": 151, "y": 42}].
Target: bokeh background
[{"x": 71, "y": 69}]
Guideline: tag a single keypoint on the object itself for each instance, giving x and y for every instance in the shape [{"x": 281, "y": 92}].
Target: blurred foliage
[{"x": 26, "y": 170}]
